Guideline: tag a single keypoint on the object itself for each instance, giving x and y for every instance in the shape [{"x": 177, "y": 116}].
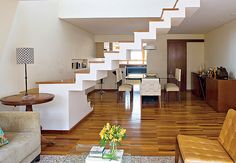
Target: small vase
[{"x": 112, "y": 152}]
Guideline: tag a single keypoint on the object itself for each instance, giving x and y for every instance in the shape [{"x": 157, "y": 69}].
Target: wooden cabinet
[
  {"x": 221, "y": 94},
  {"x": 196, "y": 90},
  {"x": 199, "y": 85}
]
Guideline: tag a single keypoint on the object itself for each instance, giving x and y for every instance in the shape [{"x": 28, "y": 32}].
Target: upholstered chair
[
  {"x": 174, "y": 87},
  {"x": 121, "y": 86},
  {"x": 150, "y": 87},
  {"x": 199, "y": 150}
]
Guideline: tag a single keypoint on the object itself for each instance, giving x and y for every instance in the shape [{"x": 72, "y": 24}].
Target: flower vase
[{"x": 112, "y": 152}]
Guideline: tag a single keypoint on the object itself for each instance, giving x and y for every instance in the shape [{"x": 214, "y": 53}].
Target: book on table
[{"x": 96, "y": 151}]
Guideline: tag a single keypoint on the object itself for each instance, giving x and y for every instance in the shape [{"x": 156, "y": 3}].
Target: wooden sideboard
[
  {"x": 198, "y": 85},
  {"x": 221, "y": 94}
]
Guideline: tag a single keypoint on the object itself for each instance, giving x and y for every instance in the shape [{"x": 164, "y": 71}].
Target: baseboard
[{"x": 65, "y": 131}]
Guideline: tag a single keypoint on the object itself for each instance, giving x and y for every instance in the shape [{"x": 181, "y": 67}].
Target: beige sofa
[{"x": 23, "y": 132}]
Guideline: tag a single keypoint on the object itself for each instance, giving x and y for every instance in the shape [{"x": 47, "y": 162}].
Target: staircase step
[
  {"x": 96, "y": 61},
  {"x": 168, "y": 9},
  {"x": 83, "y": 71},
  {"x": 66, "y": 81}
]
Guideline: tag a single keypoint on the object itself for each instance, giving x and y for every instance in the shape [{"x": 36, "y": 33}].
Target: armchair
[{"x": 199, "y": 150}]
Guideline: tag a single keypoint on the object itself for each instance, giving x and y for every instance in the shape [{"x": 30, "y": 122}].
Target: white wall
[
  {"x": 221, "y": 48},
  {"x": 157, "y": 59},
  {"x": 195, "y": 59},
  {"x": 36, "y": 24}
]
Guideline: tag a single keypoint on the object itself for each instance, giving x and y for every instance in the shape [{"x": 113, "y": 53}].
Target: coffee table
[{"x": 80, "y": 152}]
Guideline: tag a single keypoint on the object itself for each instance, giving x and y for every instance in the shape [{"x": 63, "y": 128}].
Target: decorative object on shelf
[
  {"x": 79, "y": 63},
  {"x": 25, "y": 56},
  {"x": 221, "y": 73},
  {"x": 112, "y": 134}
]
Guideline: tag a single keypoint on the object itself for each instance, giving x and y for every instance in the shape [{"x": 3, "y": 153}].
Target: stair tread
[
  {"x": 96, "y": 61},
  {"x": 65, "y": 81},
  {"x": 83, "y": 71}
]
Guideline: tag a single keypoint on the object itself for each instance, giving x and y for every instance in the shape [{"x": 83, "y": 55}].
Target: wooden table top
[{"x": 19, "y": 100}]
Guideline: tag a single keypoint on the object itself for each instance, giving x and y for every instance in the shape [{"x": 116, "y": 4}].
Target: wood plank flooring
[{"x": 150, "y": 130}]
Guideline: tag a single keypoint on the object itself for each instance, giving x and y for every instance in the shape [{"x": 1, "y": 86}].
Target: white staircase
[{"x": 70, "y": 104}]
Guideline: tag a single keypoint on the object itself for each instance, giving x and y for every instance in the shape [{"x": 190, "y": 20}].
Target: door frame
[{"x": 180, "y": 41}]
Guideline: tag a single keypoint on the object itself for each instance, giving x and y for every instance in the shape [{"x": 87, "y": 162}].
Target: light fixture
[
  {"x": 25, "y": 56},
  {"x": 149, "y": 47}
]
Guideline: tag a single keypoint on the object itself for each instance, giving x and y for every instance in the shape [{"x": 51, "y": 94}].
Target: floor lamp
[{"x": 25, "y": 56}]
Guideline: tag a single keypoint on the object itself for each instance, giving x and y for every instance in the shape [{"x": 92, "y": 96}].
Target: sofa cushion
[
  {"x": 200, "y": 150},
  {"x": 21, "y": 145},
  {"x": 3, "y": 139}
]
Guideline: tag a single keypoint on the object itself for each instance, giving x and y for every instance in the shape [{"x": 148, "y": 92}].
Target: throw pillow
[{"x": 3, "y": 139}]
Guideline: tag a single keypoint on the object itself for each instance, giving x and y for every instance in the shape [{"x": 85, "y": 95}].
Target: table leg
[{"x": 29, "y": 108}]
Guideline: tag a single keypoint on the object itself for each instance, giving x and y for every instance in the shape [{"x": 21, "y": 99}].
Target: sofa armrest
[{"x": 20, "y": 121}]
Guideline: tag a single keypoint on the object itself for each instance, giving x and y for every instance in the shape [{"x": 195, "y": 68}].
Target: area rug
[{"x": 81, "y": 158}]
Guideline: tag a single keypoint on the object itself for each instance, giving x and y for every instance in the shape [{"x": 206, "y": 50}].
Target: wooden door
[{"x": 177, "y": 58}]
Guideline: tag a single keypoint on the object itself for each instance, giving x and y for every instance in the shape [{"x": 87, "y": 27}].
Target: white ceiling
[
  {"x": 111, "y": 26},
  {"x": 212, "y": 13}
]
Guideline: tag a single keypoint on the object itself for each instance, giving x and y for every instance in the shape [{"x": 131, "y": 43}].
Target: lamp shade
[{"x": 25, "y": 55}]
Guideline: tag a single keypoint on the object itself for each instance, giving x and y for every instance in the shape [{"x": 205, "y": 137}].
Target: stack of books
[{"x": 96, "y": 151}]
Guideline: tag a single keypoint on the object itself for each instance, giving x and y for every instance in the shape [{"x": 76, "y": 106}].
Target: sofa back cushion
[{"x": 228, "y": 134}]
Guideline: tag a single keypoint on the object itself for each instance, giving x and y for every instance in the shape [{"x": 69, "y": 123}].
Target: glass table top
[{"x": 79, "y": 153}]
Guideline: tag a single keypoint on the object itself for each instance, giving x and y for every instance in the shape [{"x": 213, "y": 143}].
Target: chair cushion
[
  {"x": 200, "y": 150},
  {"x": 171, "y": 87},
  {"x": 125, "y": 87},
  {"x": 228, "y": 134},
  {"x": 21, "y": 145}
]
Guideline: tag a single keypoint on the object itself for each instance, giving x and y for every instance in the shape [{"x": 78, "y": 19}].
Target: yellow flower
[
  {"x": 102, "y": 133},
  {"x": 110, "y": 137},
  {"x": 123, "y": 131},
  {"x": 108, "y": 126}
]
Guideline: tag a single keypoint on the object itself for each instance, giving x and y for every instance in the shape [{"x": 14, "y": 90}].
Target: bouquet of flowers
[{"x": 112, "y": 134}]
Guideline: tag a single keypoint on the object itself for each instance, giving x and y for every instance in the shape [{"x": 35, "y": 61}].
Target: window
[{"x": 136, "y": 58}]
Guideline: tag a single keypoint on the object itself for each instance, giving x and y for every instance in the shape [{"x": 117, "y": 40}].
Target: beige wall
[
  {"x": 7, "y": 10},
  {"x": 157, "y": 59},
  {"x": 195, "y": 59},
  {"x": 55, "y": 42},
  {"x": 221, "y": 48}
]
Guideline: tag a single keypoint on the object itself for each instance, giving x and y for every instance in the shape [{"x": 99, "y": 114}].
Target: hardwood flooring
[{"x": 150, "y": 130}]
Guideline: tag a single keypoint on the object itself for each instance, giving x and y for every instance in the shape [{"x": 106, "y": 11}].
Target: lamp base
[{"x": 28, "y": 97}]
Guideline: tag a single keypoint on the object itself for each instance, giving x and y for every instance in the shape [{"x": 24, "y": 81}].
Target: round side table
[{"x": 19, "y": 100}]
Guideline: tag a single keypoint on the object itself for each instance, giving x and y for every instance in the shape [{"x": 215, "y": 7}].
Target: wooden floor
[{"x": 150, "y": 130}]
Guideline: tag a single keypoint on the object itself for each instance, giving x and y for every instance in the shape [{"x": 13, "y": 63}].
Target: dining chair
[
  {"x": 122, "y": 87},
  {"x": 174, "y": 87},
  {"x": 150, "y": 87}
]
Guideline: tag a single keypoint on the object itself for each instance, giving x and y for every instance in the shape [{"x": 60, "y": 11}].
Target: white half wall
[
  {"x": 55, "y": 42},
  {"x": 195, "y": 59},
  {"x": 221, "y": 48}
]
